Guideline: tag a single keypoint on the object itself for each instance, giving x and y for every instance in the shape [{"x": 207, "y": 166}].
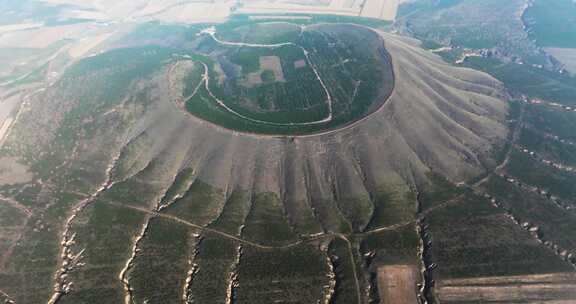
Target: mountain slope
[{"x": 120, "y": 164}]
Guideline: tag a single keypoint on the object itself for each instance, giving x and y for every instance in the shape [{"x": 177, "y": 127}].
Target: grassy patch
[
  {"x": 529, "y": 80},
  {"x": 161, "y": 264},
  {"x": 107, "y": 234},
  {"x": 547, "y": 147},
  {"x": 183, "y": 181},
  {"x": 534, "y": 173},
  {"x": 215, "y": 260},
  {"x": 474, "y": 239},
  {"x": 136, "y": 190},
  {"x": 555, "y": 224},
  {"x": 392, "y": 206},
  {"x": 266, "y": 222},
  {"x": 345, "y": 289},
  {"x": 552, "y": 121},
  {"x": 10, "y": 216},
  {"x": 234, "y": 213},
  {"x": 438, "y": 191},
  {"x": 266, "y": 276},
  {"x": 200, "y": 205},
  {"x": 392, "y": 247}
]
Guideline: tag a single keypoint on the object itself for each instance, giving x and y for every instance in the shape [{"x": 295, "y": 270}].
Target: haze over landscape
[{"x": 287, "y": 151}]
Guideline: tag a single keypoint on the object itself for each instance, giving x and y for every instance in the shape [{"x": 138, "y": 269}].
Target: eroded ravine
[
  {"x": 122, "y": 276},
  {"x": 330, "y": 290},
  {"x": 561, "y": 204},
  {"x": 426, "y": 290},
  {"x": 67, "y": 259},
  {"x": 537, "y": 234},
  {"x": 194, "y": 268},
  {"x": 553, "y": 164},
  {"x": 231, "y": 289}
]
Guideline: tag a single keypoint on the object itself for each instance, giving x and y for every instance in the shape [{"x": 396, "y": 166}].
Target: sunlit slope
[
  {"x": 149, "y": 202},
  {"x": 438, "y": 117}
]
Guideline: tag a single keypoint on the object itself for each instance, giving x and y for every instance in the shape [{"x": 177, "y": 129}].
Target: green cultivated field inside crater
[
  {"x": 271, "y": 78},
  {"x": 280, "y": 78}
]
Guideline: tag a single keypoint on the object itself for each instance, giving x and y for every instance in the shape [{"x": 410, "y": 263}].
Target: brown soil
[
  {"x": 397, "y": 284},
  {"x": 510, "y": 289}
]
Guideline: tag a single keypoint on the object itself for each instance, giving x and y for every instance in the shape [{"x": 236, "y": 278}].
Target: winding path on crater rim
[{"x": 206, "y": 78}]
